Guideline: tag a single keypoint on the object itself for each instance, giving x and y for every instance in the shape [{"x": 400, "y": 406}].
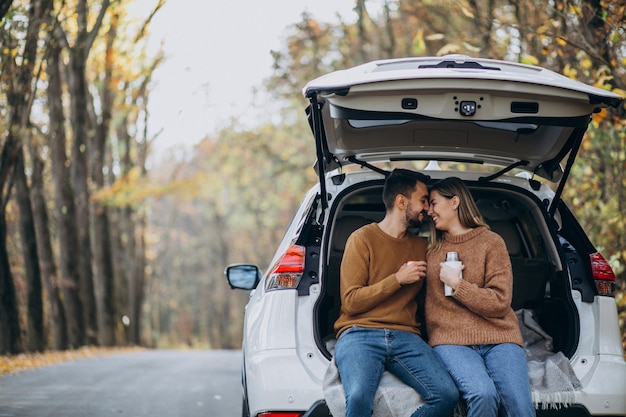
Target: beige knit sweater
[
  {"x": 479, "y": 311},
  {"x": 370, "y": 293}
]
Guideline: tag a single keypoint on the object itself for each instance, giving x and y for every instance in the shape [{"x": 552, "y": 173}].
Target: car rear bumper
[
  {"x": 277, "y": 381},
  {"x": 320, "y": 409},
  {"x": 575, "y": 410},
  {"x": 604, "y": 389}
]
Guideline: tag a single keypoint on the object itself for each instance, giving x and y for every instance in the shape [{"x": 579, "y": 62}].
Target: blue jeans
[
  {"x": 363, "y": 354},
  {"x": 491, "y": 378}
]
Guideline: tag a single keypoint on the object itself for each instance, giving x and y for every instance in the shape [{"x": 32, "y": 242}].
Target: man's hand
[{"x": 411, "y": 272}]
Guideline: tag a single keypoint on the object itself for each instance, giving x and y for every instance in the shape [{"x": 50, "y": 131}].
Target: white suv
[{"x": 502, "y": 127}]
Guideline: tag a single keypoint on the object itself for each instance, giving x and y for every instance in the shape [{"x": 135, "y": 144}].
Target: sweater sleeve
[
  {"x": 494, "y": 299},
  {"x": 358, "y": 294}
]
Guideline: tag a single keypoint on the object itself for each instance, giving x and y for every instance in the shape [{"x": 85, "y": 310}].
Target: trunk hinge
[
  {"x": 580, "y": 134},
  {"x": 318, "y": 132}
]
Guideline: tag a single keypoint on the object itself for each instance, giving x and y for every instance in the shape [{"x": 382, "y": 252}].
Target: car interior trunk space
[{"x": 538, "y": 285}]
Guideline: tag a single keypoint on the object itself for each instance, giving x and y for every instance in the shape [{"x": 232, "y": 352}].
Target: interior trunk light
[
  {"x": 287, "y": 272},
  {"x": 603, "y": 275}
]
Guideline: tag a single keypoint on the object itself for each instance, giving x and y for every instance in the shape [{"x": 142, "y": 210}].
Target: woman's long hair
[{"x": 469, "y": 215}]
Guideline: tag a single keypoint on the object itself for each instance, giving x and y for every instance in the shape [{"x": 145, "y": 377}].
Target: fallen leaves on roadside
[{"x": 15, "y": 363}]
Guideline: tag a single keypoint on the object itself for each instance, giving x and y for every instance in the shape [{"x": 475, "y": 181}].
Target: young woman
[{"x": 474, "y": 330}]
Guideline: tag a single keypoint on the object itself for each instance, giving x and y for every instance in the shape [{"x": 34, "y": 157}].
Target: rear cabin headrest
[
  {"x": 344, "y": 226},
  {"x": 510, "y": 234}
]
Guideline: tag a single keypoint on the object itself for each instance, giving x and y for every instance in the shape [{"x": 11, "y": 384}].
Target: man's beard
[{"x": 413, "y": 217}]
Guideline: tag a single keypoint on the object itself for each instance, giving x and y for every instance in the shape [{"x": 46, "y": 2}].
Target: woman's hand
[{"x": 449, "y": 275}]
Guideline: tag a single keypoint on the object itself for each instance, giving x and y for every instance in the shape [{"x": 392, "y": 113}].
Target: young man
[{"x": 382, "y": 272}]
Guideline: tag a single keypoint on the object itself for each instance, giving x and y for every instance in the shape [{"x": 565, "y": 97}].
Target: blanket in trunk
[{"x": 552, "y": 379}]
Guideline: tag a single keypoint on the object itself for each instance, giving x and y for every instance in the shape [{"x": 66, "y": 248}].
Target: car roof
[{"x": 452, "y": 108}]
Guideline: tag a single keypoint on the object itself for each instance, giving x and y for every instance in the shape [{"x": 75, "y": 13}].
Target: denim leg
[
  {"x": 506, "y": 363},
  {"x": 467, "y": 367},
  {"x": 360, "y": 355},
  {"x": 417, "y": 365}
]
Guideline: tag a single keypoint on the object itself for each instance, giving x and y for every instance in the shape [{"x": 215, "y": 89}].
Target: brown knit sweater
[
  {"x": 370, "y": 293},
  {"x": 479, "y": 311}
]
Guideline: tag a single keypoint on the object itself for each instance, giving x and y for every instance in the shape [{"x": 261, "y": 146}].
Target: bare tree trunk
[
  {"x": 133, "y": 228},
  {"x": 137, "y": 282},
  {"x": 126, "y": 238},
  {"x": 10, "y": 341},
  {"x": 34, "y": 331},
  {"x": 79, "y": 174},
  {"x": 77, "y": 86},
  {"x": 120, "y": 286},
  {"x": 104, "y": 272},
  {"x": 69, "y": 248},
  {"x": 104, "y": 275},
  {"x": 9, "y": 317},
  {"x": 19, "y": 97},
  {"x": 388, "y": 45},
  {"x": 484, "y": 20},
  {"x": 102, "y": 236},
  {"x": 56, "y": 321},
  {"x": 361, "y": 11},
  {"x": 128, "y": 229},
  {"x": 9, "y": 320}
]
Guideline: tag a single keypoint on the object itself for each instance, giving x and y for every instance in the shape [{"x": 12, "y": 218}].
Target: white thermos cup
[{"x": 452, "y": 260}]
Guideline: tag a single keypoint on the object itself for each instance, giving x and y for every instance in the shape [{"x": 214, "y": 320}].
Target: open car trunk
[
  {"x": 537, "y": 255},
  {"x": 470, "y": 111}
]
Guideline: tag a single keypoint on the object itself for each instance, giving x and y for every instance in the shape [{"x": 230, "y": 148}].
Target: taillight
[
  {"x": 288, "y": 270},
  {"x": 602, "y": 274},
  {"x": 279, "y": 414}
]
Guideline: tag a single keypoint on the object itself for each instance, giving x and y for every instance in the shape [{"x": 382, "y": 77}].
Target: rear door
[{"x": 453, "y": 108}]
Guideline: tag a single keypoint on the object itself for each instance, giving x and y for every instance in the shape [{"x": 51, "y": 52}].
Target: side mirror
[{"x": 243, "y": 276}]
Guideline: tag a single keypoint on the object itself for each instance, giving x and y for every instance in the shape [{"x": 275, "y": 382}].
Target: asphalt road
[{"x": 159, "y": 383}]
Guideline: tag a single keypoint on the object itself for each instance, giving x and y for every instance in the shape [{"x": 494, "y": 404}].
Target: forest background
[{"x": 102, "y": 245}]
